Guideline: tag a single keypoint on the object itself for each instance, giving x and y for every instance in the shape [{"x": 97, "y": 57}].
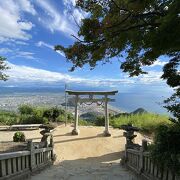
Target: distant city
[{"x": 12, "y": 102}]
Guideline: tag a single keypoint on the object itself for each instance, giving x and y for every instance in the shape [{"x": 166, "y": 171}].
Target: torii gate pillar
[
  {"x": 106, "y": 132},
  {"x": 75, "y": 131}
]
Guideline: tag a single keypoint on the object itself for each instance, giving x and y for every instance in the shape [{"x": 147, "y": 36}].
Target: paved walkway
[{"x": 88, "y": 156}]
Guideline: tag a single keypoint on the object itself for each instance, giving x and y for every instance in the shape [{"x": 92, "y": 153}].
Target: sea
[{"x": 126, "y": 102}]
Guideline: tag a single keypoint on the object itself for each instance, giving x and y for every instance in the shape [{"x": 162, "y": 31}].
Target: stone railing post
[
  {"x": 51, "y": 141},
  {"x": 31, "y": 148},
  {"x": 52, "y": 145},
  {"x": 144, "y": 145},
  {"x": 142, "y": 149}
]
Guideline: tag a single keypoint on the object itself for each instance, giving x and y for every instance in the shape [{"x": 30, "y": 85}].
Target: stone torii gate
[{"x": 91, "y": 98}]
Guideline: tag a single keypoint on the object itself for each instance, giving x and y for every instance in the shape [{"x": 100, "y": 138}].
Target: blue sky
[{"x": 30, "y": 29}]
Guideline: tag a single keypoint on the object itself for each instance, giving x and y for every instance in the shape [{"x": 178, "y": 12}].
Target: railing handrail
[
  {"x": 14, "y": 154},
  {"x": 134, "y": 151},
  {"x": 43, "y": 150},
  {"x": 22, "y": 153}
]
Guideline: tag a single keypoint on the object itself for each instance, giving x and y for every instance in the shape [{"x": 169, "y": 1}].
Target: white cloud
[
  {"x": 5, "y": 50},
  {"x": 159, "y": 63},
  {"x": 73, "y": 13},
  {"x": 20, "y": 73},
  {"x": 26, "y": 5},
  {"x": 12, "y": 24},
  {"x": 17, "y": 53},
  {"x": 20, "y": 43},
  {"x": 53, "y": 20},
  {"x": 41, "y": 44},
  {"x": 25, "y": 54},
  {"x": 151, "y": 77},
  {"x": 25, "y": 74}
]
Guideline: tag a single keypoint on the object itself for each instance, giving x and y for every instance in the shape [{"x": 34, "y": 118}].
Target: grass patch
[{"x": 147, "y": 122}]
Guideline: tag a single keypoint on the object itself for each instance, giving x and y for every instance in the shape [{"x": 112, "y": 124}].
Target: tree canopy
[
  {"x": 3, "y": 67},
  {"x": 137, "y": 31}
]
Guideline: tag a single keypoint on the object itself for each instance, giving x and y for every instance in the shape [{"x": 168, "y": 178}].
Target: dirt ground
[{"x": 88, "y": 156}]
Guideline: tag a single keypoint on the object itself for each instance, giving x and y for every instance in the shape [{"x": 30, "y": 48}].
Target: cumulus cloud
[
  {"x": 43, "y": 44},
  {"x": 26, "y": 74},
  {"x": 12, "y": 24}
]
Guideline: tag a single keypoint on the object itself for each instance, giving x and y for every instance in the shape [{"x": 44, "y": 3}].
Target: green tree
[
  {"x": 138, "y": 31},
  {"x": 3, "y": 67}
]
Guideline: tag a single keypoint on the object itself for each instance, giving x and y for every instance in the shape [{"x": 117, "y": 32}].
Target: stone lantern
[{"x": 129, "y": 135}]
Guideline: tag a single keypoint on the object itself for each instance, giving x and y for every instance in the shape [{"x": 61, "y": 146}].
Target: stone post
[
  {"x": 144, "y": 145},
  {"x": 51, "y": 141},
  {"x": 75, "y": 131},
  {"x": 52, "y": 145},
  {"x": 106, "y": 132},
  {"x": 142, "y": 149},
  {"x": 31, "y": 148}
]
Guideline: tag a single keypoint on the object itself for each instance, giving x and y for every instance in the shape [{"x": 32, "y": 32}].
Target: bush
[
  {"x": 166, "y": 148},
  {"x": 26, "y": 109},
  {"x": 31, "y": 115},
  {"x": 52, "y": 113},
  {"x": 8, "y": 118},
  {"x": 32, "y": 119},
  {"x": 19, "y": 137},
  {"x": 100, "y": 121}
]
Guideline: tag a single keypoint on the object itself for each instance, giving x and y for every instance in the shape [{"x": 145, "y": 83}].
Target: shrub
[
  {"x": 19, "y": 137},
  {"x": 100, "y": 121},
  {"x": 52, "y": 113},
  {"x": 32, "y": 119},
  {"x": 8, "y": 118},
  {"x": 26, "y": 109},
  {"x": 166, "y": 148}
]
